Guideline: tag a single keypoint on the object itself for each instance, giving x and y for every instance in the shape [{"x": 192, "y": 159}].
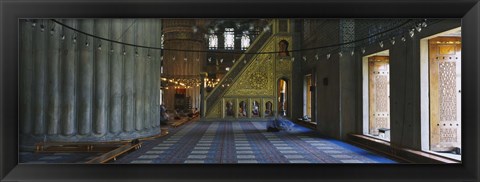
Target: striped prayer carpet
[{"x": 246, "y": 142}]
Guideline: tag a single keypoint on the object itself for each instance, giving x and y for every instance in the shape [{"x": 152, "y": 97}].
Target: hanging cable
[{"x": 241, "y": 52}]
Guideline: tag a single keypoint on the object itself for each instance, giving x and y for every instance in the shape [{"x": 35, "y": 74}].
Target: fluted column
[{"x": 78, "y": 88}]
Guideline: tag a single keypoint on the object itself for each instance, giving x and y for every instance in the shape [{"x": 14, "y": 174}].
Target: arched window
[
  {"x": 268, "y": 109},
  {"x": 229, "y": 112},
  {"x": 229, "y": 35}
]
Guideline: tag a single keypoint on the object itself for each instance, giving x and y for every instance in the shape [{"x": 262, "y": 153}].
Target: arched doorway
[{"x": 282, "y": 93}]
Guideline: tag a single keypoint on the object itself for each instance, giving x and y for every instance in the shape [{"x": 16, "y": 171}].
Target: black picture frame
[{"x": 11, "y": 11}]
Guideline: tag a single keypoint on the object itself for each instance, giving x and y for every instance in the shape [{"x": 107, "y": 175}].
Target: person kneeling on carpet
[
  {"x": 279, "y": 123},
  {"x": 272, "y": 126}
]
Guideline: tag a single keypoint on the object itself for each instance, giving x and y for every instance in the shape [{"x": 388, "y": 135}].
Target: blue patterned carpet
[{"x": 246, "y": 142}]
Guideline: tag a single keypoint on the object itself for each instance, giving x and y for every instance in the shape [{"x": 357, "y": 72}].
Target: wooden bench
[
  {"x": 76, "y": 146},
  {"x": 114, "y": 153}
]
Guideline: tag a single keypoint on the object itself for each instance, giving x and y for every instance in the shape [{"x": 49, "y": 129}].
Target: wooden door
[
  {"x": 445, "y": 93},
  {"x": 378, "y": 93}
]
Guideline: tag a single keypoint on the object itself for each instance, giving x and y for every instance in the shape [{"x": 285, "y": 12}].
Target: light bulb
[
  {"x": 411, "y": 32},
  {"x": 381, "y": 44},
  {"x": 87, "y": 44},
  {"x": 34, "y": 24},
  {"x": 328, "y": 56},
  {"x": 352, "y": 53},
  {"x": 419, "y": 27},
  {"x": 124, "y": 53},
  {"x": 316, "y": 57},
  {"x": 52, "y": 31},
  {"x": 403, "y": 38},
  {"x": 340, "y": 54},
  {"x": 293, "y": 59},
  {"x": 304, "y": 58},
  {"x": 363, "y": 50},
  {"x": 42, "y": 28},
  {"x": 99, "y": 47},
  {"x": 392, "y": 41},
  {"x": 63, "y": 37},
  {"x": 424, "y": 24},
  {"x": 233, "y": 61}
]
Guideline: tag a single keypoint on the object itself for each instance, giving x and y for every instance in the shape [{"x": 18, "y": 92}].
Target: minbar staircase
[{"x": 242, "y": 63}]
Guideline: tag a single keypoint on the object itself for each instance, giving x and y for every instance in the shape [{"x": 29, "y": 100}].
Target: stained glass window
[
  {"x": 229, "y": 38},
  {"x": 212, "y": 41}
]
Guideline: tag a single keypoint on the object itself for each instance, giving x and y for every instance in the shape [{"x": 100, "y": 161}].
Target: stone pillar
[
  {"x": 78, "y": 88},
  {"x": 180, "y": 34},
  {"x": 203, "y": 75},
  {"x": 347, "y": 78}
]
